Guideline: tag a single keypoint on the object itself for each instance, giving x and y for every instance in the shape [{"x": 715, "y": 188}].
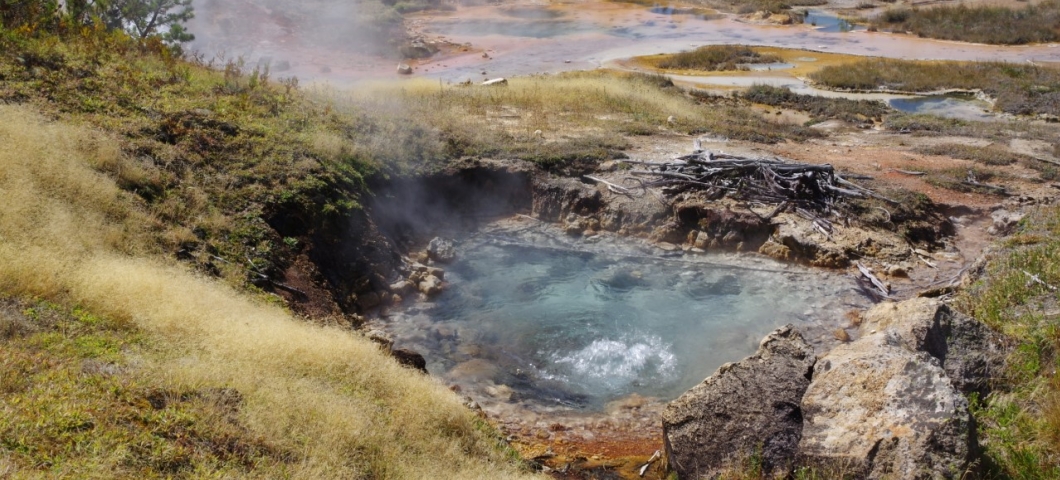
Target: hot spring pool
[{"x": 537, "y": 321}]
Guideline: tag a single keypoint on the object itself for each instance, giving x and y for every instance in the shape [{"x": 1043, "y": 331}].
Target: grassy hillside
[
  {"x": 120, "y": 364},
  {"x": 211, "y": 156}
]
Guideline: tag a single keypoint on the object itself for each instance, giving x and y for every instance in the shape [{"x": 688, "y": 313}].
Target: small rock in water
[
  {"x": 441, "y": 250},
  {"x": 500, "y": 392},
  {"x": 475, "y": 370},
  {"x": 666, "y": 246},
  {"x": 431, "y": 285},
  {"x": 368, "y": 300},
  {"x": 404, "y": 69},
  {"x": 400, "y": 287},
  {"x": 841, "y": 335}
]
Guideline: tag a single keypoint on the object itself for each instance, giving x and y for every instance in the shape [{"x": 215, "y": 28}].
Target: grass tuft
[
  {"x": 819, "y": 108},
  {"x": 712, "y": 58},
  {"x": 991, "y": 155}
]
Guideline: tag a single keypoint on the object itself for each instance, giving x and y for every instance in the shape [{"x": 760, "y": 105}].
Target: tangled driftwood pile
[
  {"x": 803, "y": 185},
  {"x": 812, "y": 191}
]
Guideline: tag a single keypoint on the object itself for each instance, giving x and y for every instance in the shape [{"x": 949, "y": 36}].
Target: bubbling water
[
  {"x": 607, "y": 365},
  {"x": 546, "y": 322}
]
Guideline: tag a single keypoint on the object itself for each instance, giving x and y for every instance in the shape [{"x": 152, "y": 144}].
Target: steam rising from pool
[{"x": 541, "y": 320}]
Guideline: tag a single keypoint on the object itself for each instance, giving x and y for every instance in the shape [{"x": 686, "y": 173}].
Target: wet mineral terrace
[
  {"x": 595, "y": 334},
  {"x": 526, "y": 37}
]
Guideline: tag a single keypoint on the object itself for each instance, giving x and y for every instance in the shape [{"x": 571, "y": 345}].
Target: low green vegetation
[
  {"x": 211, "y": 154},
  {"x": 77, "y": 406},
  {"x": 990, "y": 155},
  {"x": 1031, "y": 23},
  {"x": 770, "y": 6},
  {"x": 713, "y": 58},
  {"x": 1017, "y": 89},
  {"x": 819, "y": 108},
  {"x": 1019, "y": 423},
  {"x": 969, "y": 180},
  {"x": 1000, "y": 131}
]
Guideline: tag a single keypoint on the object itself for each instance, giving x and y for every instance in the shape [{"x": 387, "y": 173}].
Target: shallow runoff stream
[{"x": 536, "y": 320}]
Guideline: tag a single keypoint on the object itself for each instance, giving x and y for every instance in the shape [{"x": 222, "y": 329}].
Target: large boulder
[
  {"x": 969, "y": 351},
  {"x": 743, "y": 408},
  {"x": 876, "y": 409}
]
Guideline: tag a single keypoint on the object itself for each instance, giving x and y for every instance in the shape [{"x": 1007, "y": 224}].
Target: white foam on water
[{"x": 608, "y": 365}]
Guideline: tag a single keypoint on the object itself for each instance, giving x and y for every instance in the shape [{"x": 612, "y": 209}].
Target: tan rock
[
  {"x": 780, "y": 19},
  {"x": 500, "y": 392},
  {"x": 968, "y": 350},
  {"x": 875, "y": 409},
  {"x": 430, "y": 285},
  {"x": 474, "y": 370}
]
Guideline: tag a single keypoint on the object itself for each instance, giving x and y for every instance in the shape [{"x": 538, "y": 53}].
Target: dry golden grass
[
  {"x": 564, "y": 106},
  {"x": 554, "y": 121},
  {"x": 68, "y": 234}
]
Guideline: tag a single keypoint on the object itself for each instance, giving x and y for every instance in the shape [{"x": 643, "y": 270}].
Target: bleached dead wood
[
  {"x": 610, "y": 186},
  {"x": 1036, "y": 279},
  {"x": 923, "y": 258},
  {"x": 644, "y": 468},
  {"x": 875, "y": 280}
]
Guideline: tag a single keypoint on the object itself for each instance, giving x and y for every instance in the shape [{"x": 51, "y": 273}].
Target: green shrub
[
  {"x": 981, "y": 23},
  {"x": 819, "y": 108},
  {"x": 1019, "y": 89},
  {"x": 717, "y": 58}
]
